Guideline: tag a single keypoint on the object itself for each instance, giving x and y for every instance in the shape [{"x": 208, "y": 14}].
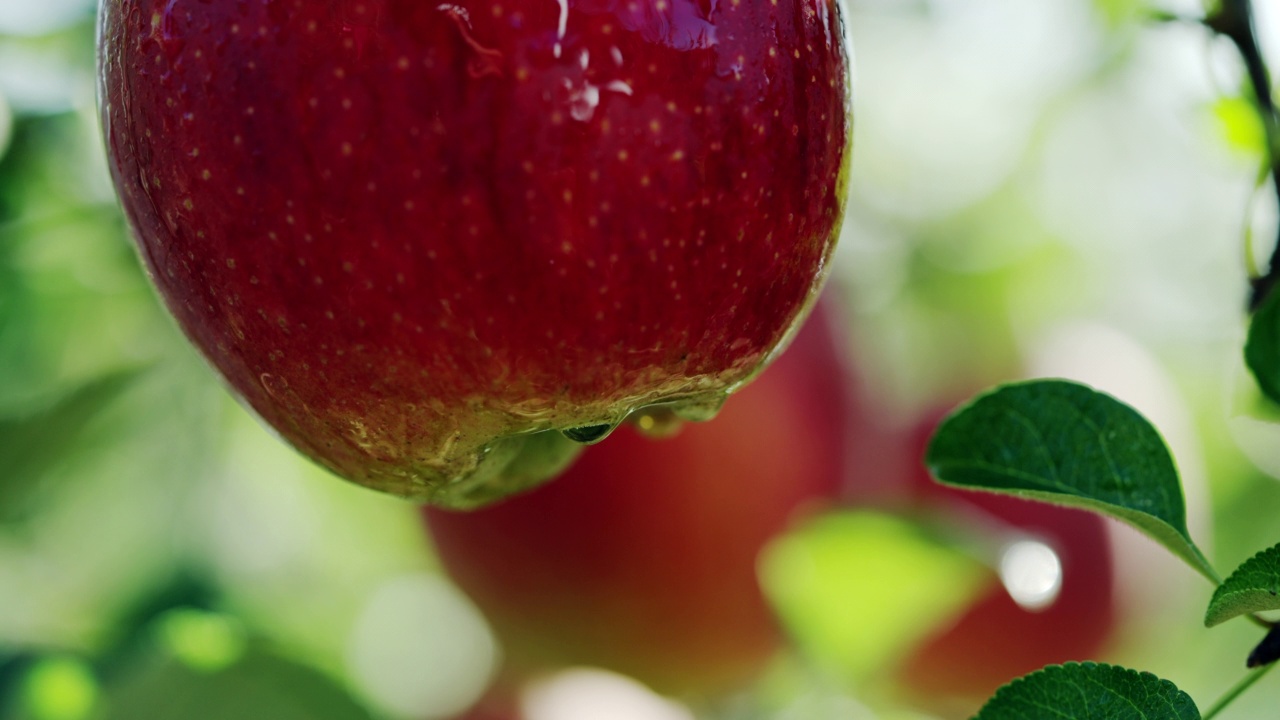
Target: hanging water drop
[
  {"x": 701, "y": 408},
  {"x": 589, "y": 434},
  {"x": 658, "y": 421}
]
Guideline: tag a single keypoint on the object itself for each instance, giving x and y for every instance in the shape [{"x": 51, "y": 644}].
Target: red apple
[
  {"x": 997, "y": 638},
  {"x": 418, "y": 238},
  {"x": 641, "y": 558}
]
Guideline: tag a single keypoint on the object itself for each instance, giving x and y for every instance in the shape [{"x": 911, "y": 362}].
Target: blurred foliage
[
  {"x": 1240, "y": 126},
  {"x": 837, "y": 582},
  {"x": 186, "y": 663},
  {"x": 1122, "y": 13},
  {"x": 55, "y": 687},
  {"x": 258, "y": 684},
  {"x": 31, "y": 444}
]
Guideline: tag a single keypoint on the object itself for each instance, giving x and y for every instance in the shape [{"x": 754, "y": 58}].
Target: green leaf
[
  {"x": 1065, "y": 443},
  {"x": 1089, "y": 691},
  {"x": 1262, "y": 348},
  {"x": 32, "y": 443},
  {"x": 1253, "y": 587}
]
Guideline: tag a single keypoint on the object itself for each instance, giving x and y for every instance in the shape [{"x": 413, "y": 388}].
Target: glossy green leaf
[
  {"x": 32, "y": 443},
  {"x": 1065, "y": 443},
  {"x": 1262, "y": 348},
  {"x": 1253, "y": 587},
  {"x": 1089, "y": 691}
]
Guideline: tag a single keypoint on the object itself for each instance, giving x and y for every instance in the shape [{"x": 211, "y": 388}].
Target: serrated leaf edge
[
  {"x": 1087, "y": 666},
  {"x": 1219, "y": 595}
]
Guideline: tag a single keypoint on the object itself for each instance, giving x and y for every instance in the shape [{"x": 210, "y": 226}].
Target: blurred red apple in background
[
  {"x": 419, "y": 239},
  {"x": 1056, "y": 599},
  {"x": 500, "y": 704},
  {"x": 642, "y": 557}
]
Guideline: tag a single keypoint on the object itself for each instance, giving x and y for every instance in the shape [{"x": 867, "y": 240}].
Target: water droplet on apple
[
  {"x": 582, "y": 100},
  {"x": 588, "y": 434},
  {"x": 503, "y": 467},
  {"x": 658, "y": 421},
  {"x": 485, "y": 60},
  {"x": 701, "y": 408},
  {"x": 678, "y": 24},
  {"x": 275, "y": 387}
]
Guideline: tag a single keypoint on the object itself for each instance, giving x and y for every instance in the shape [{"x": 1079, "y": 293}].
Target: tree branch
[{"x": 1234, "y": 20}]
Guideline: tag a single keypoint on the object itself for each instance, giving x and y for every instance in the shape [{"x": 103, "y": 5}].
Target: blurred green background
[{"x": 1058, "y": 187}]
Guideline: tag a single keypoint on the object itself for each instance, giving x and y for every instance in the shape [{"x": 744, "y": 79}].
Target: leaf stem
[
  {"x": 1235, "y": 691},
  {"x": 1205, "y": 568}
]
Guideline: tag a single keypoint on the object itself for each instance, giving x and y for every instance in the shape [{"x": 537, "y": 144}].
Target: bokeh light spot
[
  {"x": 589, "y": 694},
  {"x": 1032, "y": 573},
  {"x": 204, "y": 641},
  {"x": 419, "y": 649},
  {"x": 60, "y": 689}
]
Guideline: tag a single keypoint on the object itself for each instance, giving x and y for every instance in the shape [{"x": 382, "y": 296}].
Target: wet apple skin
[{"x": 400, "y": 230}]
